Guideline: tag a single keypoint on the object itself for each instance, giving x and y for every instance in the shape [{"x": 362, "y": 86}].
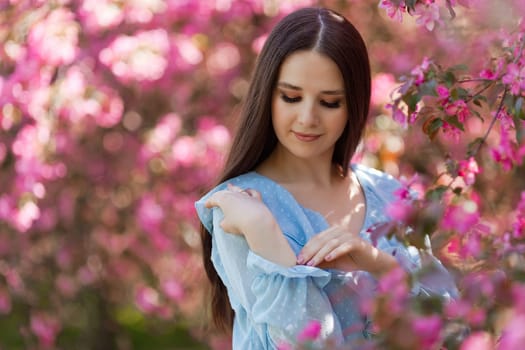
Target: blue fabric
[{"x": 273, "y": 303}]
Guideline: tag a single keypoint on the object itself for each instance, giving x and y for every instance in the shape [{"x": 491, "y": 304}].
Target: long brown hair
[{"x": 328, "y": 33}]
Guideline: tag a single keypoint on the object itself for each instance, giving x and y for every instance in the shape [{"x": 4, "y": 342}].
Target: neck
[{"x": 319, "y": 172}]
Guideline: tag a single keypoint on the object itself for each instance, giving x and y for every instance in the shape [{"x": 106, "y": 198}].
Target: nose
[{"x": 308, "y": 114}]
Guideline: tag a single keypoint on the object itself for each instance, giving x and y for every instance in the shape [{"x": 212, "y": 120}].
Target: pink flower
[
  {"x": 394, "y": 9},
  {"x": 461, "y": 217},
  {"x": 310, "y": 332},
  {"x": 427, "y": 329},
  {"x": 142, "y": 57},
  {"x": 54, "y": 40},
  {"x": 5, "y": 301},
  {"x": 147, "y": 299},
  {"x": 98, "y": 15},
  {"x": 419, "y": 71},
  {"x": 428, "y": 15},
  {"x": 513, "y": 336},
  {"x": 45, "y": 327},
  {"x": 150, "y": 214},
  {"x": 173, "y": 289},
  {"x": 487, "y": 74},
  {"x": 443, "y": 92},
  {"x": 515, "y": 77},
  {"x": 399, "y": 210},
  {"x": 382, "y": 86},
  {"x": 468, "y": 170},
  {"x": 458, "y": 108},
  {"x": 478, "y": 341}
]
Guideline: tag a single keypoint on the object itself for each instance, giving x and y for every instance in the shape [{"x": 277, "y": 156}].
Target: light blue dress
[{"x": 273, "y": 303}]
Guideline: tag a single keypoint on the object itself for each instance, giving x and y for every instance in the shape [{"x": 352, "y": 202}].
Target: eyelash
[{"x": 288, "y": 99}]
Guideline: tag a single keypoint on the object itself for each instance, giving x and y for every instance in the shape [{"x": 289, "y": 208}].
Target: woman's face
[{"x": 309, "y": 110}]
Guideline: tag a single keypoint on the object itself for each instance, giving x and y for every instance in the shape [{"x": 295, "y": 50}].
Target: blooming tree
[{"x": 115, "y": 116}]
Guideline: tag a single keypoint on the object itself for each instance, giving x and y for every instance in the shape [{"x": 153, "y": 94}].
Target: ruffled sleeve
[{"x": 278, "y": 301}]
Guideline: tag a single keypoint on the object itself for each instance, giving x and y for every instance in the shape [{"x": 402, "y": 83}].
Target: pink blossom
[
  {"x": 487, "y": 74},
  {"x": 184, "y": 150},
  {"x": 507, "y": 152},
  {"x": 147, "y": 299},
  {"x": 400, "y": 210},
  {"x": 54, "y": 40},
  {"x": 468, "y": 169},
  {"x": 478, "y": 341},
  {"x": 5, "y": 301},
  {"x": 150, "y": 214},
  {"x": 173, "y": 289},
  {"x": 518, "y": 226},
  {"x": 223, "y": 57},
  {"x": 458, "y": 108},
  {"x": 428, "y": 15},
  {"x": 66, "y": 285},
  {"x": 419, "y": 71},
  {"x": 258, "y": 43},
  {"x": 25, "y": 216},
  {"x": 443, "y": 92},
  {"x": 515, "y": 77},
  {"x": 461, "y": 217},
  {"x": 98, "y": 15},
  {"x": 451, "y": 132},
  {"x": 310, "y": 332},
  {"x": 382, "y": 86},
  {"x": 142, "y": 57},
  {"x": 45, "y": 327},
  {"x": 144, "y": 10},
  {"x": 427, "y": 329},
  {"x": 162, "y": 136},
  {"x": 187, "y": 50},
  {"x": 513, "y": 336},
  {"x": 394, "y": 9}
]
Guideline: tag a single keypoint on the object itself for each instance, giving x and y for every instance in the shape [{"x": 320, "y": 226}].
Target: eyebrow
[{"x": 293, "y": 87}]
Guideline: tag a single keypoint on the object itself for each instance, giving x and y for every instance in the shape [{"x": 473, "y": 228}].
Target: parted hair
[{"x": 326, "y": 32}]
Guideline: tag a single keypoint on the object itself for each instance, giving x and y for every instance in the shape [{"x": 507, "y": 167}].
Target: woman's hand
[
  {"x": 246, "y": 214},
  {"x": 341, "y": 249},
  {"x": 242, "y": 209}
]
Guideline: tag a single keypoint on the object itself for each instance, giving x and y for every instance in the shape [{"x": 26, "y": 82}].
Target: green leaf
[
  {"x": 453, "y": 120},
  {"x": 411, "y": 101},
  {"x": 428, "y": 88},
  {"x": 436, "y": 194},
  {"x": 474, "y": 145},
  {"x": 449, "y": 78}
]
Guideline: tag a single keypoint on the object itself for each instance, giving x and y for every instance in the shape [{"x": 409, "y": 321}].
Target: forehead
[{"x": 312, "y": 70}]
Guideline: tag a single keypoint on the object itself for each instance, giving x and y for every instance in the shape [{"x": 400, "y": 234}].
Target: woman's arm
[
  {"x": 338, "y": 248},
  {"x": 246, "y": 214}
]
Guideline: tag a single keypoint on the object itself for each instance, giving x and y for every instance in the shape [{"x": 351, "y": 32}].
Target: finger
[
  {"x": 253, "y": 193},
  {"x": 326, "y": 249},
  {"x": 215, "y": 200},
  {"x": 341, "y": 250},
  {"x": 314, "y": 245},
  {"x": 234, "y": 188}
]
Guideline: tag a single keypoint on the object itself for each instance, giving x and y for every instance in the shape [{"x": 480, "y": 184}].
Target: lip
[{"x": 306, "y": 137}]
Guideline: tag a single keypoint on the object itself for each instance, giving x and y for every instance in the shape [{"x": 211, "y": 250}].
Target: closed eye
[
  {"x": 289, "y": 99},
  {"x": 335, "y": 104}
]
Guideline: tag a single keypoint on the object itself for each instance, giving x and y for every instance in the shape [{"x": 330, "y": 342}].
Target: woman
[{"x": 285, "y": 232}]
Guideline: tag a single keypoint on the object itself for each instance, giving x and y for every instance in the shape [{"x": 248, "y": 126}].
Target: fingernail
[
  {"x": 328, "y": 257},
  {"x": 310, "y": 263},
  {"x": 300, "y": 259}
]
